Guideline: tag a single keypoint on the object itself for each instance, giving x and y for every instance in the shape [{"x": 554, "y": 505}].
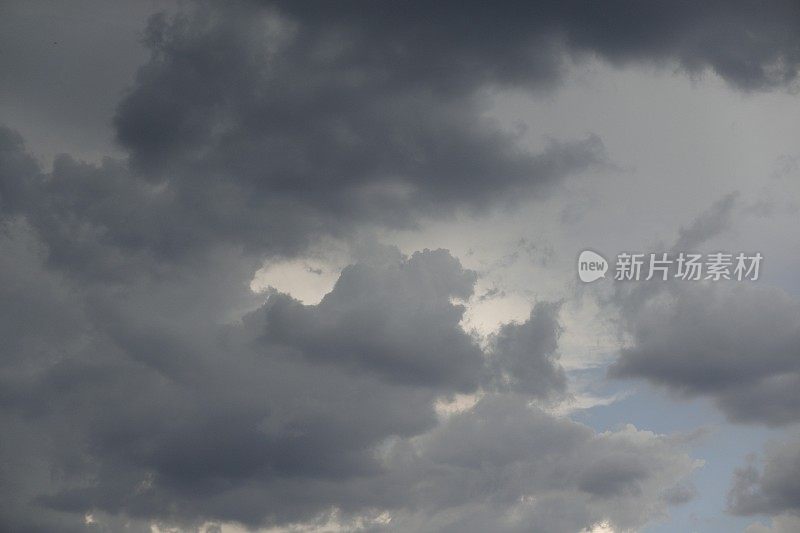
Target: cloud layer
[
  {"x": 119, "y": 407},
  {"x": 141, "y": 381}
]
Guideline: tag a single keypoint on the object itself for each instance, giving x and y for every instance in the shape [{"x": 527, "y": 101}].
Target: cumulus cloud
[
  {"x": 133, "y": 395},
  {"x": 504, "y": 465},
  {"x": 397, "y": 321},
  {"x": 129, "y": 410},
  {"x": 522, "y": 354},
  {"x": 132, "y": 398},
  {"x": 137, "y": 393},
  {"x": 141, "y": 381}
]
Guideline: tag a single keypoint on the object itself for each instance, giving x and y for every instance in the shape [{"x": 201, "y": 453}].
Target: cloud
[
  {"x": 715, "y": 220},
  {"x": 397, "y": 321},
  {"x": 298, "y": 131},
  {"x": 771, "y": 490},
  {"x": 315, "y": 117},
  {"x": 780, "y": 524},
  {"x": 734, "y": 343},
  {"x": 146, "y": 391},
  {"x": 142, "y": 381},
  {"x": 737, "y": 345},
  {"x": 118, "y": 406},
  {"x": 457, "y": 45},
  {"x": 503, "y": 465},
  {"x": 272, "y": 124},
  {"x": 522, "y": 355}
]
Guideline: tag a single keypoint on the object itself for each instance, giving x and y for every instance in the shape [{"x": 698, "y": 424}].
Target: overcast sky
[{"x": 312, "y": 266}]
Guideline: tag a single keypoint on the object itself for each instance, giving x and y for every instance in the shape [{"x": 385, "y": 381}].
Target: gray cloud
[
  {"x": 774, "y": 489},
  {"x": 715, "y": 220},
  {"x": 119, "y": 406},
  {"x": 354, "y": 112},
  {"x": 304, "y": 119},
  {"x": 551, "y": 472},
  {"x": 300, "y": 131},
  {"x": 738, "y": 345},
  {"x": 128, "y": 396},
  {"x": 522, "y": 355},
  {"x": 396, "y": 321},
  {"x": 268, "y": 126},
  {"x": 787, "y": 523},
  {"x": 734, "y": 343},
  {"x": 103, "y": 222},
  {"x": 141, "y": 380}
]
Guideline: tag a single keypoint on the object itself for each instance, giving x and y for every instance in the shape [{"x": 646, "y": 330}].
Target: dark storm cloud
[
  {"x": 267, "y": 113},
  {"x": 751, "y": 44},
  {"x": 268, "y": 126},
  {"x": 305, "y": 118},
  {"x": 100, "y": 222},
  {"x": 104, "y": 222},
  {"x": 141, "y": 379},
  {"x": 773, "y": 488},
  {"x": 65, "y": 66},
  {"x": 125, "y": 394},
  {"x": 132, "y": 410}
]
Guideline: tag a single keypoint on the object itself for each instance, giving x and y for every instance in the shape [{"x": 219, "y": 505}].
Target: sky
[{"x": 313, "y": 266}]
